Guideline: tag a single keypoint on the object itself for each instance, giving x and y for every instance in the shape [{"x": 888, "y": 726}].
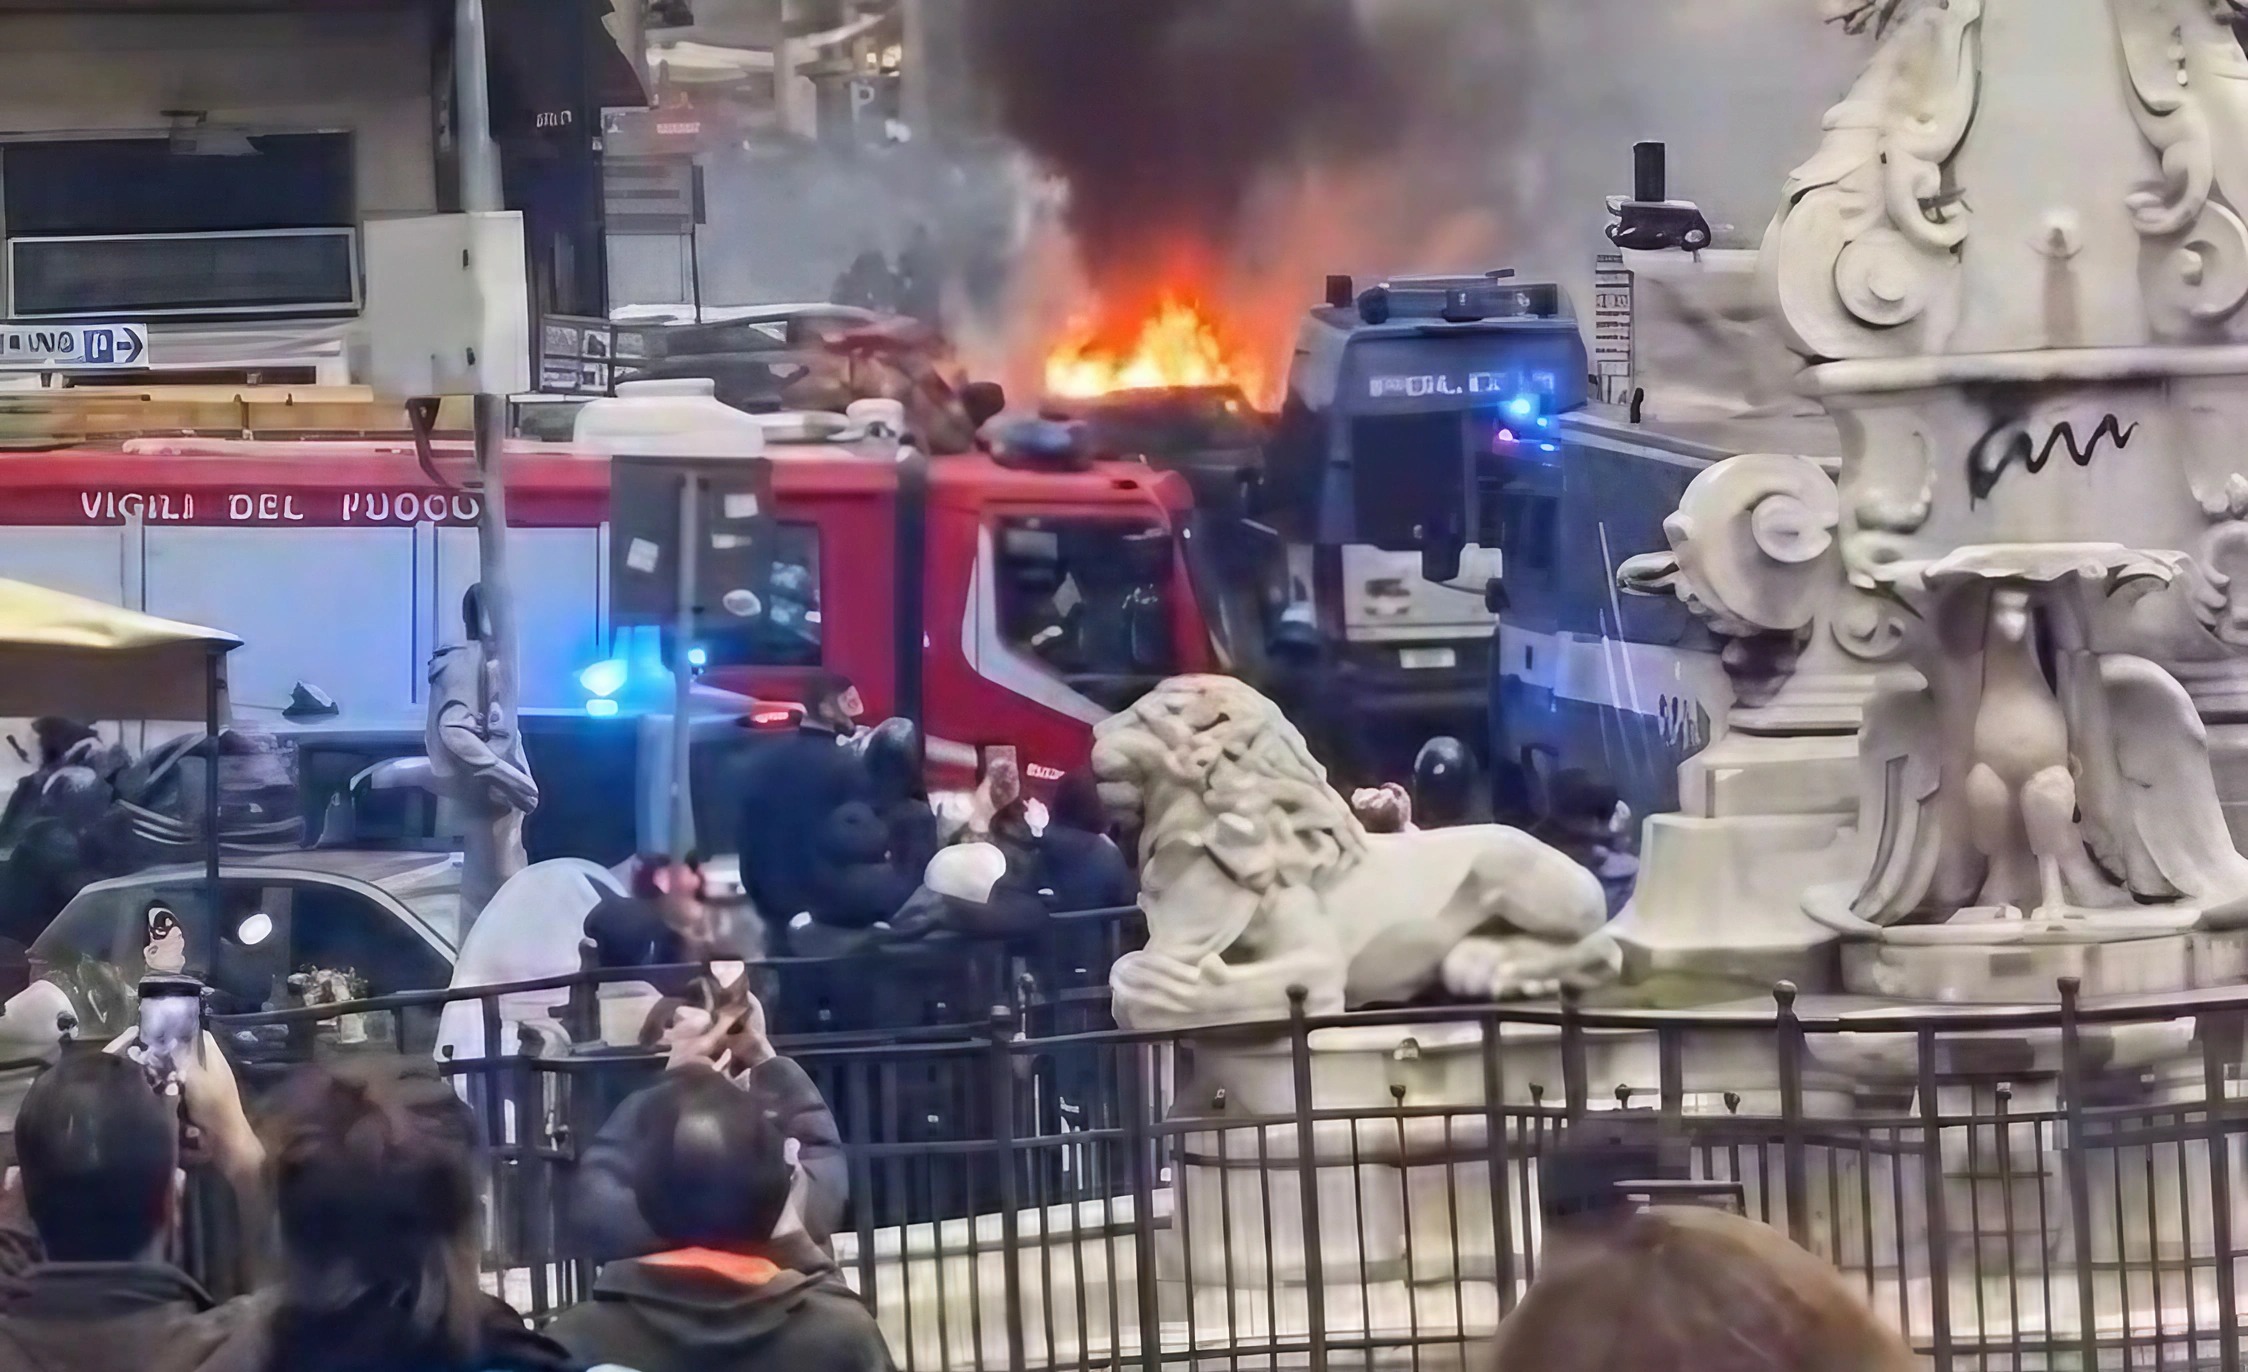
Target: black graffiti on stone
[{"x": 2009, "y": 445}]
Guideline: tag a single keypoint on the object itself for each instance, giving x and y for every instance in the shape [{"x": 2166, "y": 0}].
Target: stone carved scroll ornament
[
  {"x": 1862, "y": 258},
  {"x": 1751, "y": 555},
  {"x": 2189, "y": 84}
]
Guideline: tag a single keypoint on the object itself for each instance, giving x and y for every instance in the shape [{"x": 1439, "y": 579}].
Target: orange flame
[{"x": 1177, "y": 345}]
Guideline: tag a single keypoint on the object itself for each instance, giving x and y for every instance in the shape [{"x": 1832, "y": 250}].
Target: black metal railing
[{"x": 2012, "y": 1188}]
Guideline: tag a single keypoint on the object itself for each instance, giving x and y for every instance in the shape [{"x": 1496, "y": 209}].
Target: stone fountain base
[
  {"x": 2022, "y": 965},
  {"x": 1414, "y": 1230}
]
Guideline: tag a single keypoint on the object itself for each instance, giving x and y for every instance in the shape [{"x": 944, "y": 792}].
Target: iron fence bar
[
  {"x": 2220, "y": 1198},
  {"x": 2005, "y": 1100},
  {"x": 1793, "y": 1179},
  {"x": 1670, "y": 1072},
  {"x": 1932, "y": 1188},
  {"x": 1307, "y": 1155},
  {"x": 1495, "y": 1122},
  {"x": 1574, "y": 1092},
  {"x": 861, "y": 1094},
  {"x": 1010, "y": 1236},
  {"x": 2079, "y": 1181},
  {"x": 1139, "y": 1139}
]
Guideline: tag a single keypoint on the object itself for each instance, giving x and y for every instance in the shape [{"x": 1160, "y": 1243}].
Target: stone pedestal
[
  {"x": 1723, "y": 898},
  {"x": 1969, "y": 965}
]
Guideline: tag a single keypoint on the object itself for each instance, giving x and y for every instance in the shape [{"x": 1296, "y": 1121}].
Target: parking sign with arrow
[{"x": 72, "y": 347}]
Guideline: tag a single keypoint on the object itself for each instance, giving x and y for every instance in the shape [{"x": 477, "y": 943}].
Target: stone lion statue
[{"x": 1256, "y": 877}]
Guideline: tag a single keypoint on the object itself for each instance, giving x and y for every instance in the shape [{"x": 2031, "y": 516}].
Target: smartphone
[{"x": 171, "y": 1025}]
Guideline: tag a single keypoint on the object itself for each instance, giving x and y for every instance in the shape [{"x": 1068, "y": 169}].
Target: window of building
[
  {"x": 1091, "y": 600},
  {"x": 770, "y": 614},
  {"x": 206, "y": 221}
]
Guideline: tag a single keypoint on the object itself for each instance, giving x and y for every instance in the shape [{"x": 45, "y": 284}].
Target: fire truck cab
[{"x": 1046, "y": 598}]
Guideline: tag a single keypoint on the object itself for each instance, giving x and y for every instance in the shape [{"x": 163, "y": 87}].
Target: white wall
[{"x": 366, "y": 73}]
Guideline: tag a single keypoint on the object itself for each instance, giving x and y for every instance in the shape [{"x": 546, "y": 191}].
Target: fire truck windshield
[
  {"x": 777, "y": 623},
  {"x": 1090, "y": 600}
]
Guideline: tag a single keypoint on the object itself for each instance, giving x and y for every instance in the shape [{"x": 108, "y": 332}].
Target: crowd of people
[
  {"x": 708, "y": 1198},
  {"x": 842, "y": 848}
]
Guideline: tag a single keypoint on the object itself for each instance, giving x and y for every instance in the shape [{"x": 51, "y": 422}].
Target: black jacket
[
  {"x": 605, "y": 1215},
  {"x": 627, "y": 931},
  {"x": 855, "y": 885},
  {"x": 110, "y": 1317},
  {"x": 655, "y": 1318},
  {"x": 1084, "y": 871},
  {"x": 788, "y": 791}
]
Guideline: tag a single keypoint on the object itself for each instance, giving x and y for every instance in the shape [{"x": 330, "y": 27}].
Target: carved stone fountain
[
  {"x": 1991, "y": 728},
  {"x": 2016, "y": 272}
]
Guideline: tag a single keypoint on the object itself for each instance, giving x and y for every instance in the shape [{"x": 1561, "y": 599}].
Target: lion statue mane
[{"x": 1256, "y": 878}]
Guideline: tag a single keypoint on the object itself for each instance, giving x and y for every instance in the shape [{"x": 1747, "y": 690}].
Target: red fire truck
[{"x": 1004, "y": 604}]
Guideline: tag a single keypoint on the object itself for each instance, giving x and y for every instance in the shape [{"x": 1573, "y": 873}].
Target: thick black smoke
[{"x": 1163, "y": 114}]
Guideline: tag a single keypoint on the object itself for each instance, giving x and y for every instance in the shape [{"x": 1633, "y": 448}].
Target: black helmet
[
  {"x": 893, "y": 758},
  {"x": 1443, "y": 783}
]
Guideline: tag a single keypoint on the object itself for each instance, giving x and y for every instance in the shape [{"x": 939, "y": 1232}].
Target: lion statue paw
[{"x": 1514, "y": 969}]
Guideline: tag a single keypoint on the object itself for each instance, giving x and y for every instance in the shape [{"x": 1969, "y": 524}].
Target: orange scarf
[{"x": 734, "y": 1267}]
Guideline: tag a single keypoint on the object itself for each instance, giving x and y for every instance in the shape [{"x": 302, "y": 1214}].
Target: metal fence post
[
  {"x": 582, "y": 1014},
  {"x": 2074, "y": 1163},
  {"x": 1932, "y": 1194},
  {"x": 1002, "y": 1027},
  {"x": 2219, "y": 1103},
  {"x": 1495, "y": 1121},
  {"x": 1139, "y": 1143},
  {"x": 1575, "y": 1094},
  {"x": 1796, "y": 1187},
  {"x": 1307, "y": 1173}
]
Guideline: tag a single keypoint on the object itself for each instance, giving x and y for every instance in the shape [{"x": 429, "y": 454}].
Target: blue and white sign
[{"x": 72, "y": 347}]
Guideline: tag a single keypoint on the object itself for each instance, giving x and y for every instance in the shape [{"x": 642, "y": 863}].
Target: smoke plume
[
  {"x": 1244, "y": 148},
  {"x": 1164, "y": 116}
]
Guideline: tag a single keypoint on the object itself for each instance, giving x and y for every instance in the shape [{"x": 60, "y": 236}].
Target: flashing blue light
[
  {"x": 601, "y": 709},
  {"x": 1549, "y": 447},
  {"x": 605, "y": 679},
  {"x": 698, "y": 657},
  {"x": 1522, "y": 407}
]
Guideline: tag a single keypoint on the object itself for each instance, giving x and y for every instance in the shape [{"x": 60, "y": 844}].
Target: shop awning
[
  {"x": 552, "y": 57},
  {"x": 65, "y": 655}
]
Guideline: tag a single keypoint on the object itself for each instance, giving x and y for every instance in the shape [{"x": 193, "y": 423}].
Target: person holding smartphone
[
  {"x": 94, "y": 1200},
  {"x": 720, "y": 1027}
]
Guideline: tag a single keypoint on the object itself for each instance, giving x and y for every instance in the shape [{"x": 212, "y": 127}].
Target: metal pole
[
  {"x": 491, "y": 547},
  {"x": 918, "y": 104},
  {"x": 479, "y": 155},
  {"x": 213, "y": 688},
  {"x": 698, "y": 212},
  {"x": 784, "y": 71},
  {"x": 494, "y": 848},
  {"x": 683, "y": 668}
]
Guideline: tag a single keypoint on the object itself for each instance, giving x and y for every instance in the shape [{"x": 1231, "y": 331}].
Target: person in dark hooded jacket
[
  {"x": 900, "y": 796},
  {"x": 789, "y": 791},
  {"x": 857, "y": 885},
  {"x": 711, "y": 1170},
  {"x": 1078, "y": 862}
]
